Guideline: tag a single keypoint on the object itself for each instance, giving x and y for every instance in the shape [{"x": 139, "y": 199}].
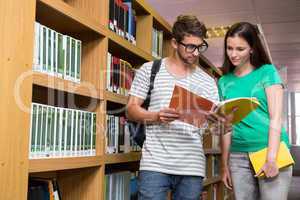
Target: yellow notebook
[{"x": 284, "y": 158}]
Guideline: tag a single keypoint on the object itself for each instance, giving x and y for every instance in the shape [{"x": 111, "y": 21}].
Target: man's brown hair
[{"x": 188, "y": 25}]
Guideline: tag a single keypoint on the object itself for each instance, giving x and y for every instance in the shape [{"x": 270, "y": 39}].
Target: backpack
[{"x": 138, "y": 130}]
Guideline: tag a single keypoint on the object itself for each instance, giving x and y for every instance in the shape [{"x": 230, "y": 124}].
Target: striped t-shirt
[{"x": 174, "y": 148}]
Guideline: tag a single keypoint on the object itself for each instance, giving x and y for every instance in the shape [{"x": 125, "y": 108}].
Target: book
[
  {"x": 284, "y": 158},
  {"x": 194, "y": 108}
]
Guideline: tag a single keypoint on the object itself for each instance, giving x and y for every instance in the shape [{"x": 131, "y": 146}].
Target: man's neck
[{"x": 177, "y": 67}]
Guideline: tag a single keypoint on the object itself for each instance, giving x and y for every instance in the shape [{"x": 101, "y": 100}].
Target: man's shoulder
[{"x": 204, "y": 75}]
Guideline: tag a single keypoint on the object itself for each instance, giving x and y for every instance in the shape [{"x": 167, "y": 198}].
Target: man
[{"x": 172, "y": 155}]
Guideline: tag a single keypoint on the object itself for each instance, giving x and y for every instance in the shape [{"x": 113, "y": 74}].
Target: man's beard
[{"x": 185, "y": 60}]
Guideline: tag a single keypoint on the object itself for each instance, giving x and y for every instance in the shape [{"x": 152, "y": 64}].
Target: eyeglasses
[{"x": 190, "y": 48}]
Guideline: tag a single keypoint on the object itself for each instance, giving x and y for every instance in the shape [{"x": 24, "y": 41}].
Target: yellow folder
[{"x": 284, "y": 158}]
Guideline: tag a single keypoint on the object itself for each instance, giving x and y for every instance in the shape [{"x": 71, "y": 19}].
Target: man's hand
[{"x": 167, "y": 115}]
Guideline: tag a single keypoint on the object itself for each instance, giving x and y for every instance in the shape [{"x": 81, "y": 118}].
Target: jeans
[
  {"x": 155, "y": 185},
  {"x": 248, "y": 187}
]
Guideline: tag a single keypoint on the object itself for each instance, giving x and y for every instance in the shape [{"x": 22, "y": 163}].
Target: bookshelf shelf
[
  {"x": 124, "y": 49},
  {"x": 53, "y": 82},
  {"x": 116, "y": 98},
  {"x": 65, "y": 18},
  {"x": 122, "y": 157},
  {"x": 55, "y": 164},
  {"x": 212, "y": 180},
  {"x": 212, "y": 151}
]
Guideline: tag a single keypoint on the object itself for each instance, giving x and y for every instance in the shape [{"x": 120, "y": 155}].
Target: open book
[
  {"x": 193, "y": 108},
  {"x": 258, "y": 158}
]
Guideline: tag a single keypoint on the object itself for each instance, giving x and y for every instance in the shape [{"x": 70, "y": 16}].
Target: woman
[{"x": 249, "y": 73}]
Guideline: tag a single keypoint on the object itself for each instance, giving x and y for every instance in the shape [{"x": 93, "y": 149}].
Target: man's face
[{"x": 183, "y": 46}]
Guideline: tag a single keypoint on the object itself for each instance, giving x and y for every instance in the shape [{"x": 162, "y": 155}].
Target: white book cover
[
  {"x": 55, "y": 53},
  {"x": 79, "y": 56},
  {"x": 47, "y": 132},
  {"x": 50, "y": 52},
  {"x": 36, "y": 60},
  {"x": 42, "y": 132},
  {"x": 73, "y": 60},
  {"x": 61, "y": 131},
  {"x": 72, "y": 131},
  {"x": 60, "y": 55},
  {"x": 94, "y": 133},
  {"x": 76, "y": 134},
  {"x": 82, "y": 129},
  {"x": 46, "y": 68},
  {"x": 66, "y": 47},
  {"x": 33, "y": 129},
  {"x": 41, "y": 52},
  {"x": 55, "y": 131}
]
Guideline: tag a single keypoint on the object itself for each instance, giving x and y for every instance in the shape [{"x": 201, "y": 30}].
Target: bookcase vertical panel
[
  {"x": 91, "y": 62},
  {"x": 81, "y": 184},
  {"x": 167, "y": 48},
  {"x": 16, "y": 50},
  {"x": 144, "y": 32},
  {"x": 101, "y": 128}
]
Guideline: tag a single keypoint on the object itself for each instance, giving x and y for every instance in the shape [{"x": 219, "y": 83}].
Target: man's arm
[{"x": 136, "y": 112}]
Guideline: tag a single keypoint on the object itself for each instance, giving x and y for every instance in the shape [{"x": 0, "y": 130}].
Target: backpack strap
[{"x": 155, "y": 68}]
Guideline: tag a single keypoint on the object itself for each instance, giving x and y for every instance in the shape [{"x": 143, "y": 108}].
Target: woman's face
[{"x": 238, "y": 51}]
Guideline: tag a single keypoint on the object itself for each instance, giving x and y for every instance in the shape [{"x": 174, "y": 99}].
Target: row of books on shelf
[
  {"x": 61, "y": 132},
  {"x": 43, "y": 189},
  {"x": 216, "y": 164},
  {"x": 118, "y": 136},
  {"x": 56, "y": 54},
  {"x": 157, "y": 43},
  {"x": 122, "y": 19},
  {"x": 119, "y": 75},
  {"x": 121, "y": 186}
]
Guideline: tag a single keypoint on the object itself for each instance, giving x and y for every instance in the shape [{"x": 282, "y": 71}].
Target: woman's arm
[
  {"x": 275, "y": 100},
  {"x": 225, "y": 145}
]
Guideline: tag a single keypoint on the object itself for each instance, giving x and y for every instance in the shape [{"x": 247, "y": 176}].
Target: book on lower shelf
[
  {"x": 194, "y": 108},
  {"x": 121, "y": 185},
  {"x": 61, "y": 132},
  {"x": 43, "y": 189},
  {"x": 284, "y": 158}
]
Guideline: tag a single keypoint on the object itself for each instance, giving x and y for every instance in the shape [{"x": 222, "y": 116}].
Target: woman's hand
[
  {"x": 270, "y": 169},
  {"x": 226, "y": 177},
  {"x": 220, "y": 123}
]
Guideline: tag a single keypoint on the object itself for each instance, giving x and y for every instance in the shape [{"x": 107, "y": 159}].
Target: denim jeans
[
  {"x": 248, "y": 187},
  {"x": 155, "y": 185}
]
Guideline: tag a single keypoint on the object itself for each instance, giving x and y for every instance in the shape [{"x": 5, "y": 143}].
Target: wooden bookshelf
[
  {"x": 212, "y": 180},
  {"x": 122, "y": 157},
  {"x": 63, "y": 16},
  {"x": 79, "y": 178},
  {"x": 121, "y": 47},
  {"x": 56, "y": 83},
  {"x": 116, "y": 98},
  {"x": 55, "y": 164}
]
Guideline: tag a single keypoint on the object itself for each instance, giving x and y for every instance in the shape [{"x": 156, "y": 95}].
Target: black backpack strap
[{"x": 155, "y": 68}]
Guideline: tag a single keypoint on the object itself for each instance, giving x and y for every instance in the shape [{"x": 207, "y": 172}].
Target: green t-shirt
[{"x": 251, "y": 134}]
